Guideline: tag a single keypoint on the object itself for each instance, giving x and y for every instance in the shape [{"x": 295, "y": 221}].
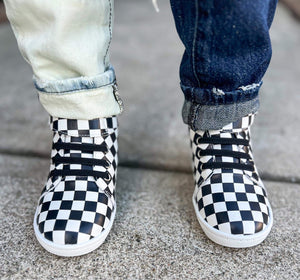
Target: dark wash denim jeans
[{"x": 227, "y": 52}]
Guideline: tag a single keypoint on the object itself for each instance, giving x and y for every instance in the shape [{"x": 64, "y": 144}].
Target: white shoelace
[{"x": 154, "y": 2}]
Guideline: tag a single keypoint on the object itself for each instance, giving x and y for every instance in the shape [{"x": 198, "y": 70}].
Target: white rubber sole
[
  {"x": 73, "y": 250},
  {"x": 231, "y": 240}
]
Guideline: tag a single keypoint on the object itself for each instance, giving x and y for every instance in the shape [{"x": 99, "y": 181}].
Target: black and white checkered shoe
[
  {"x": 230, "y": 199},
  {"x": 77, "y": 206}
]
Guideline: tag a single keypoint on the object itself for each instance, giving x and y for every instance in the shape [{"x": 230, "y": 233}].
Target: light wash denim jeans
[
  {"x": 227, "y": 52},
  {"x": 67, "y": 45}
]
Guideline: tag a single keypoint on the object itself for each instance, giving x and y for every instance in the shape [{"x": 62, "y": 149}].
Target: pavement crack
[
  {"x": 160, "y": 167},
  {"x": 24, "y": 153}
]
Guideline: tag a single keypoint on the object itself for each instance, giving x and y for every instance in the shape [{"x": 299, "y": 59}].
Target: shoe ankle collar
[
  {"x": 100, "y": 127},
  {"x": 237, "y": 126}
]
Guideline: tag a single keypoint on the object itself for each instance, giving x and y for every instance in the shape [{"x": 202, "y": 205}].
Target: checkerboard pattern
[
  {"x": 233, "y": 201},
  {"x": 89, "y": 128},
  {"x": 74, "y": 209}
]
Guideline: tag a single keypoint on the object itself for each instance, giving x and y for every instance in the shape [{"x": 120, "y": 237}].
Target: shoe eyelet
[
  {"x": 109, "y": 177},
  {"x": 106, "y": 150},
  {"x": 198, "y": 153},
  {"x": 108, "y": 163},
  {"x": 196, "y": 140},
  {"x": 104, "y": 133}
]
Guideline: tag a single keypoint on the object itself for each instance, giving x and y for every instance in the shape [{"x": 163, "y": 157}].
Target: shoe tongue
[
  {"x": 237, "y": 126},
  {"x": 84, "y": 128}
]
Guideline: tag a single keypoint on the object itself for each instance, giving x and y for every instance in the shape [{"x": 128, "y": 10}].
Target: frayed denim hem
[
  {"x": 82, "y": 97},
  {"x": 217, "y": 108},
  {"x": 209, "y": 117},
  {"x": 66, "y": 86},
  {"x": 215, "y": 97},
  {"x": 205, "y": 117}
]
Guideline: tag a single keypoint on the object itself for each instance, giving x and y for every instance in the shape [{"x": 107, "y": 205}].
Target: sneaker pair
[{"x": 77, "y": 206}]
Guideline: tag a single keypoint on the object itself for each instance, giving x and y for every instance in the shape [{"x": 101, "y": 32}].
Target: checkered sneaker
[
  {"x": 229, "y": 196},
  {"x": 78, "y": 203}
]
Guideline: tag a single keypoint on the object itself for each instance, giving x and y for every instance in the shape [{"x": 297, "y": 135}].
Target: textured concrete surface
[
  {"x": 23, "y": 125},
  {"x": 155, "y": 235},
  {"x": 276, "y": 133},
  {"x": 146, "y": 53}
]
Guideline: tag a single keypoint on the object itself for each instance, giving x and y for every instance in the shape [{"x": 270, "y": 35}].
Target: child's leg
[
  {"x": 67, "y": 44},
  {"x": 227, "y": 52}
]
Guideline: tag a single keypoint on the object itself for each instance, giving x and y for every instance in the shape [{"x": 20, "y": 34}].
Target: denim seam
[
  {"x": 118, "y": 97},
  {"x": 194, "y": 114},
  {"x": 194, "y": 41},
  {"x": 110, "y": 30},
  {"x": 200, "y": 105},
  {"x": 218, "y": 91},
  {"x": 77, "y": 83},
  {"x": 76, "y": 90},
  {"x": 191, "y": 94},
  {"x": 180, "y": 19}
]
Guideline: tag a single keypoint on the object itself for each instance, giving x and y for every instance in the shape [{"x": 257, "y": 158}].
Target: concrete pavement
[{"x": 156, "y": 234}]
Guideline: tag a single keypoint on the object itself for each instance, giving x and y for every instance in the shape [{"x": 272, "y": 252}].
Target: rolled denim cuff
[
  {"x": 81, "y": 98},
  {"x": 211, "y": 109}
]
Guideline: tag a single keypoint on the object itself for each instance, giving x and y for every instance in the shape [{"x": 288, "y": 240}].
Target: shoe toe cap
[
  {"x": 74, "y": 221},
  {"x": 233, "y": 212},
  {"x": 240, "y": 227},
  {"x": 66, "y": 232}
]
